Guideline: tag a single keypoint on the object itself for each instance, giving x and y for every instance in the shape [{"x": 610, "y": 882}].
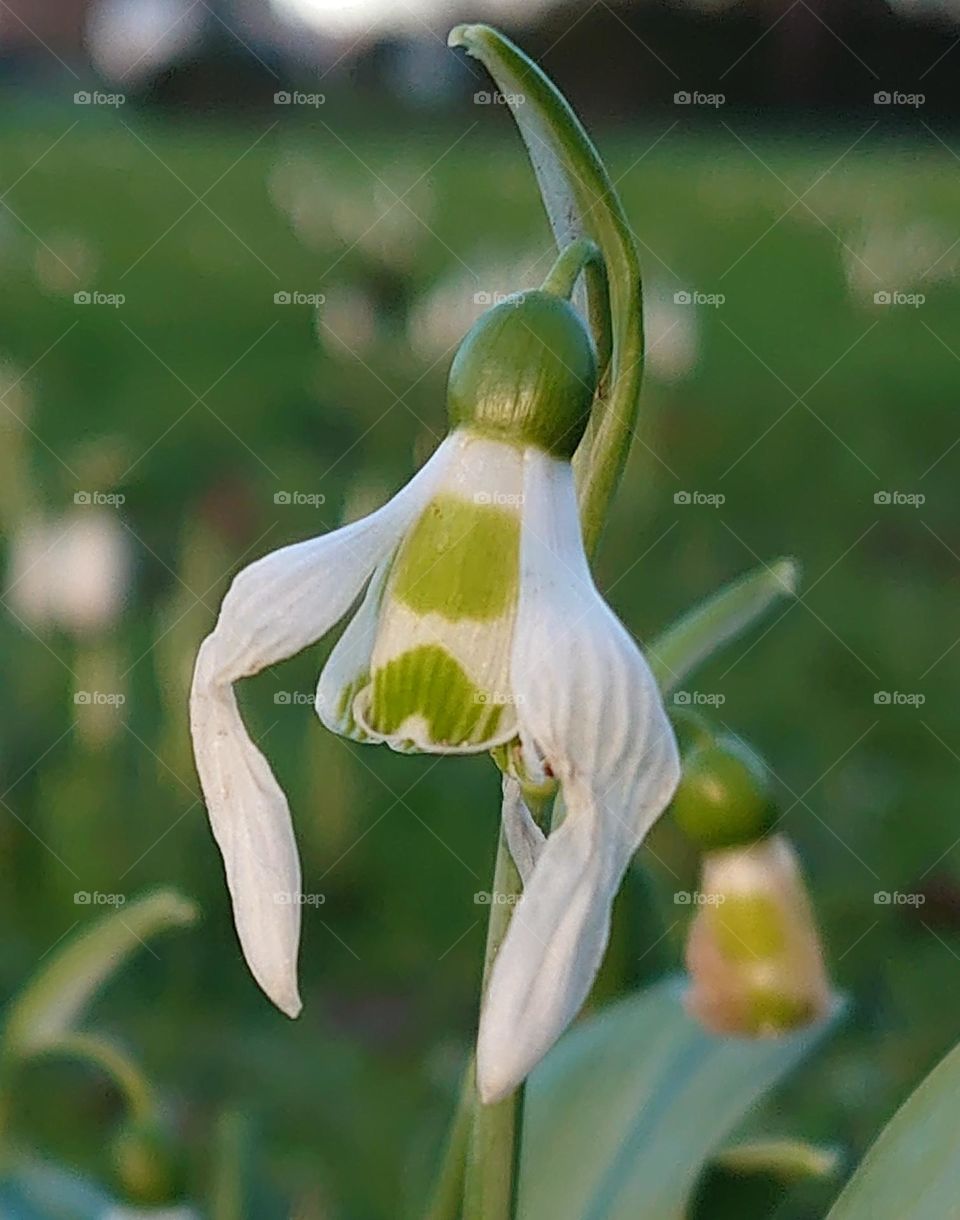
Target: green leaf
[
  {"x": 623, "y": 1115},
  {"x": 720, "y": 619},
  {"x": 913, "y": 1169},
  {"x": 52, "y": 1003},
  {"x": 580, "y": 201}
]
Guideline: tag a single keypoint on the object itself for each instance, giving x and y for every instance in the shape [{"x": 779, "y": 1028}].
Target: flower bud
[
  {"x": 753, "y": 952},
  {"x": 526, "y": 372},
  {"x": 725, "y": 796}
]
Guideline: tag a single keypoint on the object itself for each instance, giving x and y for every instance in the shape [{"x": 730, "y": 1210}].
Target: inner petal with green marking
[{"x": 440, "y": 667}]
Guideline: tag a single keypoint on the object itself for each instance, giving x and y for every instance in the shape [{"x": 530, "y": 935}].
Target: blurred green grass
[{"x": 398, "y": 846}]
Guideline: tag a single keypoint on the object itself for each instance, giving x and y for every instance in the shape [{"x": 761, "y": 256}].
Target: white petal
[
  {"x": 273, "y": 609},
  {"x": 348, "y": 667},
  {"x": 588, "y": 703},
  {"x": 524, "y": 837},
  {"x": 439, "y": 666}
]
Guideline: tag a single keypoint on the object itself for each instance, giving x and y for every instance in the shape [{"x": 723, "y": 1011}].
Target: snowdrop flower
[
  {"x": 480, "y": 625},
  {"x": 753, "y": 950},
  {"x": 754, "y": 954}
]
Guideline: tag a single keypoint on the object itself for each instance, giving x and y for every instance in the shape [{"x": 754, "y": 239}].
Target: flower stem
[
  {"x": 446, "y": 1198},
  {"x": 491, "y": 1178},
  {"x": 584, "y": 256}
]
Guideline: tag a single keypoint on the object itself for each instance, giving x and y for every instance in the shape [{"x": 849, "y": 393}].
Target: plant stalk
[{"x": 493, "y": 1153}]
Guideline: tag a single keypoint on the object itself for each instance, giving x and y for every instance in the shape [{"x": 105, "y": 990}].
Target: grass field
[{"x": 199, "y": 399}]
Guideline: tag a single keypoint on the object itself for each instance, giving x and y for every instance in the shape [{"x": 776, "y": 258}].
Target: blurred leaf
[
  {"x": 736, "y": 608},
  {"x": 49, "y": 1006},
  {"x": 581, "y": 201},
  {"x": 35, "y": 1190},
  {"x": 622, "y": 1117},
  {"x": 110, "y": 1058},
  {"x": 913, "y": 1168},
  {"x": 232, "y": 1155},
  {"x": 789, "y": 1160}
]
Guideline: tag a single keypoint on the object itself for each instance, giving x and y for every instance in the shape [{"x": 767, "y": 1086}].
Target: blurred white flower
[
  {"x": 129, "y": 40},
  {"x": 672, "y": 334},
  {"x": 448, "y": 308},
  {"x": 71, "y": 572},
  {"x": 898, "y": 256}
]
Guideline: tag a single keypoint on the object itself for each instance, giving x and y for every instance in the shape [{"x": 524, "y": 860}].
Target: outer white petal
[
  {"x": 273, "y": 609},
  {"x": 588, "y": 703}
]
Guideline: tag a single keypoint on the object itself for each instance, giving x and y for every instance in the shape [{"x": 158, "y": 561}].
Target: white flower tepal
[{"x": 480, "y": 624}]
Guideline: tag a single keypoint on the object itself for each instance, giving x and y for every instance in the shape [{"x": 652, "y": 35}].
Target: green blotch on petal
[
  {"x": 749, "y": 927},
  {"x": 460, "y": 560},
  {"x": 344, "y": 711},
  {"x": 428, "y": 682}
]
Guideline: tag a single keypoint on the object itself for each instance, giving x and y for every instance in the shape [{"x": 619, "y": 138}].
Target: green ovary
[
  {"x": 427, "y": 682},
  {"x": 460, "y": 560}
]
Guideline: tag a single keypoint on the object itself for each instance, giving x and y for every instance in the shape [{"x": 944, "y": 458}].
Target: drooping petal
[
  {"x": 587, "y": 702},
  {"x": 274, "y": 608},
  {"x": 438, "y": 677},
  {"x": 525, "y": 839}
]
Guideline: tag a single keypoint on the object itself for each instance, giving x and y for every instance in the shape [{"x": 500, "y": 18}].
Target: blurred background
[{"x": 239, "y": 243}]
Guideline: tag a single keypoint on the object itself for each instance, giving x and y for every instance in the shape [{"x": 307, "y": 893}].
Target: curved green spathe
[{"x": 580, "y": 201}]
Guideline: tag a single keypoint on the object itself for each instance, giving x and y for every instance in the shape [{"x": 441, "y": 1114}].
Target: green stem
[
  {"x": 491, "y": 1177},
  {"x": 583, "y": 256},
  {"x": 446, "y": 1199}
]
